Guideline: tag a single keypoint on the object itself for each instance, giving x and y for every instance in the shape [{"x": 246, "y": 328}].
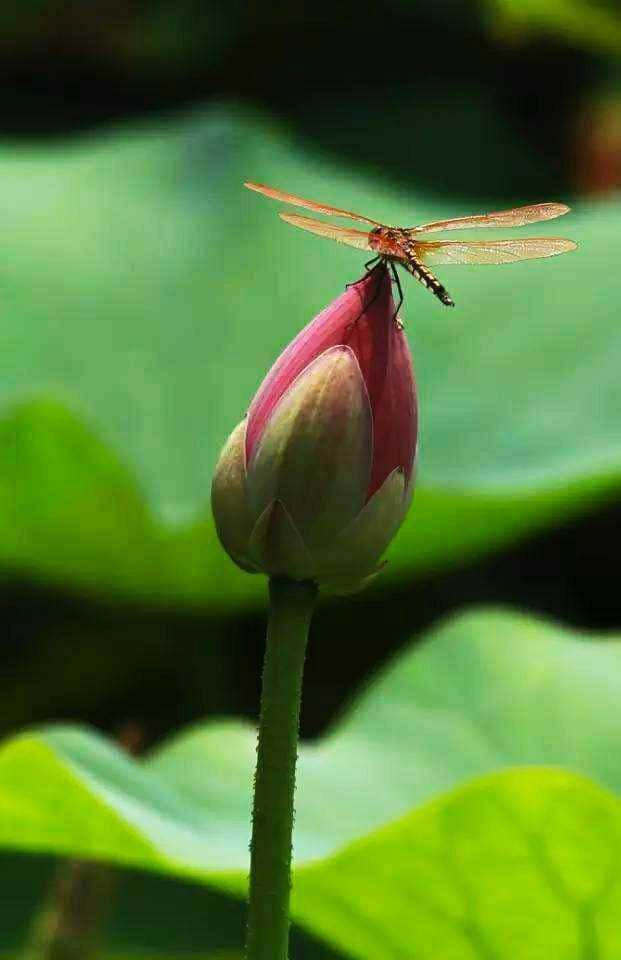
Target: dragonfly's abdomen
[
  {"x": 426, "y": 277},
  {"x": 422, "y": 273}
]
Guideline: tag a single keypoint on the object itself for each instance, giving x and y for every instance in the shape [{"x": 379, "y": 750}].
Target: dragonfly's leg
[
  {"x": 379, "y": 266},
  {"x": 395, "y": 277},
  {"x": 368, "y": 268}
]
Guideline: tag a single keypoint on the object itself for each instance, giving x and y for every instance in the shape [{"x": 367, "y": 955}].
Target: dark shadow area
[
  {"x": 133, "y": 911},
  {"x": 421, "y": 93}
]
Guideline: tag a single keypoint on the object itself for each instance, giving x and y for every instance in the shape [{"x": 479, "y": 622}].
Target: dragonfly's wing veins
[
  {"x": 516, "y": 217},
  {"x": 309, "y": 204},
  {"x": 348, "y": 235},
  {"x": 495, "y": 251}
]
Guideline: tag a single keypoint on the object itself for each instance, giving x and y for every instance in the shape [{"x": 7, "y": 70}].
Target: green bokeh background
[{"x": 145, "y": 294}]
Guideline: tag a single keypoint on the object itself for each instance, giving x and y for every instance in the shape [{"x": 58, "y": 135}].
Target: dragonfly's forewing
[
  {"x": 495, "y": 251},
  {"x": 348, "y": 235},
  {"x": 309, "y": 204},
  {"x": 516, "y": 217}
]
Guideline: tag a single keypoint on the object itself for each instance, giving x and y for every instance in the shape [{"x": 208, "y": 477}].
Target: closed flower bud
[{"x": 316, "y": 481}]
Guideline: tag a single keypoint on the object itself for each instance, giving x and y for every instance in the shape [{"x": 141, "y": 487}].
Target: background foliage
[{"x": 145, "y": 294}]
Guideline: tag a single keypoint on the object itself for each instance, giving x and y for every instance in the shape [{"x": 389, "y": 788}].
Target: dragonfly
[{"x": 409, "y": 247}]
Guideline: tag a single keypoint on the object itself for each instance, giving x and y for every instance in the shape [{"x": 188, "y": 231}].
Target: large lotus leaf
[
  {"x": 485, "y": 691},
  {"x": 396, "y": 844},
  {"x": 145, "y": 290},
  {"x": 518, "y": 865}
]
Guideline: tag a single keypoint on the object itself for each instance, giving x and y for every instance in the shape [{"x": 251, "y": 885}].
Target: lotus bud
[{"x": 314, "y": 483}]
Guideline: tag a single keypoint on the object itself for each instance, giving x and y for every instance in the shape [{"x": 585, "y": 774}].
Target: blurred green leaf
[
  {"x": 584, "y": 23},
  {"x": 391, "y": 847},
  {"x": 483, "y": 691},
  {"x": 145, "y": 290},
  {"x": 69, "y": 504},
  {"x": 515, "y": 866}
]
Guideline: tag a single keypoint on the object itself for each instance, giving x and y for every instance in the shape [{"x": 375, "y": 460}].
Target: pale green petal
[
  {"x": 316, "y": 450},
  {"x": 277, "y": 547},
  {"x": 229, "y": 499},
  {"x": 354, "y": 555}
]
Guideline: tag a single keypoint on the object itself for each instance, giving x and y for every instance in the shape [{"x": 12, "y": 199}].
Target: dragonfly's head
[{"x": 377, "y": 238}]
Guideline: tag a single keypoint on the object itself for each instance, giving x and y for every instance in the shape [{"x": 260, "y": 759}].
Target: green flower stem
[{"x": 291, "y": 608}]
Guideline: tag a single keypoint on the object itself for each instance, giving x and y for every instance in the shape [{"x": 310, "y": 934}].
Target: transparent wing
[
  {"x": 309, "y": 204},
  {"x": 348, "y": 235},
  {"x": 496, "y": 251},
  {"x": 517, "y": 217}
]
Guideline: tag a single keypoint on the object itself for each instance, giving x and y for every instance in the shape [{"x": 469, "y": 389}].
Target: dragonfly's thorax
[
  {"x": 406, "y": 244},
  {"x": 388, "y": 241},
  {"x": 396, "y": 244}
]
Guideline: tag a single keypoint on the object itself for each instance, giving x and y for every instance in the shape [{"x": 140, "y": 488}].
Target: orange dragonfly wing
[
  {"x": 309, "y": 204},
  {"x": 495, "y": 251},
  {"x": 348, "y": 235},
  {"x": 516, "y": 217}
]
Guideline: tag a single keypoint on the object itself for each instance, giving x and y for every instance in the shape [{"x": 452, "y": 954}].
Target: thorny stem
[{"x": 291, "y": 608}]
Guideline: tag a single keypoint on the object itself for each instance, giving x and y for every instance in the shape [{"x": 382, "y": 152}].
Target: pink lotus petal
[{"x": 362, "y": 318}]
